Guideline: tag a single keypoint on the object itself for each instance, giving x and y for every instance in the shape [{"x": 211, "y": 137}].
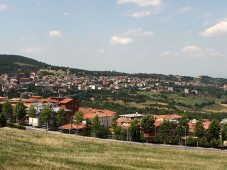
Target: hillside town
[{"x": 58, "y": 83}]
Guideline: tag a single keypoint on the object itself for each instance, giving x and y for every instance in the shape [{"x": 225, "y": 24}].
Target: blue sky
[{"x": 186, "y": 37}]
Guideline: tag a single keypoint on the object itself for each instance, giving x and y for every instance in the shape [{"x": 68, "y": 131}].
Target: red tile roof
[
  {"x": 157, "y": 123},
  {"x": 167, "y": 117},
  {"x": 91, "y": 113},
  {"x": 66, "y": 100},
  {"x": 73, "y": 126}
]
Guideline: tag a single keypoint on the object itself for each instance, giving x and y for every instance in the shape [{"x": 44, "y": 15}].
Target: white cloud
[
  {"x": 54, "y": 34},
  {"x": 31, "y": 50},
  {"x": 120, "y": 40},
  {"x": 141, "y": 3},
  {"x": 3, "y": 7},
  {"x": 191, "y": 49},
  {"x": 66, "y": 14},
  {"x": 185, "y": 9},
  {"x": 197, "y": 51},
  {"x": 166, "y": 53},
  {"x": 140, "y": 14},
  {"x": 138, "y": 32},
  {"x": 217, "y": 29}
]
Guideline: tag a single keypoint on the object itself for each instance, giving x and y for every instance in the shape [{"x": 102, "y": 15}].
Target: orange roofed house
[
  {"x": 159, "y": 119},
  {"x": 69, "y": 104},
  {"x": 105, "y": 116}
]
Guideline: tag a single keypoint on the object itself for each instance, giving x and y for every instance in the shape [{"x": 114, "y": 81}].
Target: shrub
[
  {"x": 102, "y": 132},
  {"x": 12, "y": 125},
  {"x": 203, "y": 142},
  {"x": 2, "y": 120},
  {"x": 157, "y": 139},
  {"x": 191, "y": 141},
  {"x": 215, "y": 143}
]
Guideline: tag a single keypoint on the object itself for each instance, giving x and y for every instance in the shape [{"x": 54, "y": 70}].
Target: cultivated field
[{"x": 41, "y": 150}]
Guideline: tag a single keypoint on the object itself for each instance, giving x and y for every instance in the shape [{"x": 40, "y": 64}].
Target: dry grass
[{"x": 41, "y": 150}]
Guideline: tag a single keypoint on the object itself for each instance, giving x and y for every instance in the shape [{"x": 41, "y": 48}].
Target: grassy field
[{"x": 41, "y": 150}]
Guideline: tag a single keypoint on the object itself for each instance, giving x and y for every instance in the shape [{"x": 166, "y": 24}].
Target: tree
[
  {"x": 78, "y": 117},
  {"x": 46, "y": 115},
  {"x": 147, "y": 124},
  {"x": 214, "y": 130},
  {"x": 2, "y": 120},
  {"x": 31, "y": 112},
  {"x": 96, "y": 124},
  {"x": 199, "y": 129},
  {"x": 61, "y": 117},
  {"x": 89, "y": 127},
  {"x": 7, "y": 109},
  {"x": 164, "y": 130},
  {"x": 182, "y": 128},
  {"x": 135, "y": 130},
  {"x": 102, "y": 132},
  {"x": 19, "y": 111}
]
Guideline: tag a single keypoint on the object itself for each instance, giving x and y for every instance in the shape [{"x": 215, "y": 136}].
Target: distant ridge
[
  {"x": 16, "y": 63},
  {"x": 21, "y": 64}
]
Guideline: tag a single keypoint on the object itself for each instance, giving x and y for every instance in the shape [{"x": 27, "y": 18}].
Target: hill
[
  {"x": 40, "y": 150},
  {"x": 16, "y": 63}
]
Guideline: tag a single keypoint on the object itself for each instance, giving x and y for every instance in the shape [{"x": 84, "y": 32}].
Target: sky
[{"x": 180, "y": 37}]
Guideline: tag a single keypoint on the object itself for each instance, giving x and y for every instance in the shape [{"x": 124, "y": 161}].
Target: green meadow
[{"x": 26, "y": 149}]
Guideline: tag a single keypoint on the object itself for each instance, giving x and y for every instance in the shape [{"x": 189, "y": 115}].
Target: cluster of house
[
  {"x": 70, "y": 106},
  {"x": 124, "y": 121},
  {"x": 60, "y": 83}
]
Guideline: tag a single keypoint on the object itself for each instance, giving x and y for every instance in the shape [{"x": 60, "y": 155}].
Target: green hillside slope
[
  {"x": 16, "y": 63},
  {"x": 42, "y": 150}
]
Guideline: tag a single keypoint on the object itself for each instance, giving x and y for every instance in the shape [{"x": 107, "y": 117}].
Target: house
[
  {"x": 105, "y": 116},
  {"x": 192, "y": 124},
  {"x": 132, "y": 116},
  {"x": 36, "y": 120},
  {"x": 71, "y": 104},
  {"x": 124, "y": 122},
  {"x": 70, "y": 128},
  {"x": 174, "y": 118}
]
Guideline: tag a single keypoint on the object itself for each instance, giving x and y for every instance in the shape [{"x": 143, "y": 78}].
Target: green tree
[
  {"x": 61, "y": 117},
  {"x": 31, "y": 112},
  {"x": 96, "y": 124},
  {"x": 164, "y": 130},
  {"x": 102, "y": 132},
  {"x": 78, "y": 118},
  {"x": 182, "y": 128},
  {"x": 2, "y": 120},
  {"x": 7, "y": 109},
  {"x": 147, "y": 124},
  {"x": 19, "y": 111},
  {"x": 135, "y": 130},
  {"x": 199, "y": 129},
  {"x": 89, "y": 127},
  {"x": 214, "y": 130},
  {"x": 46, "y": 115}
]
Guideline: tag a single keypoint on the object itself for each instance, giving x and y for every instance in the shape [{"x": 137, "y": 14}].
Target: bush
[
  {"x": 215, "y": 143},
  {"x": 12, "y": 125},
  {"x": 2, "y": 120},
  {"x": 157, "y": 139},
  {"x": 102, "y": 132},
  {"x": 191, "y": 141},
  {"x": 203, "y": 142}
]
